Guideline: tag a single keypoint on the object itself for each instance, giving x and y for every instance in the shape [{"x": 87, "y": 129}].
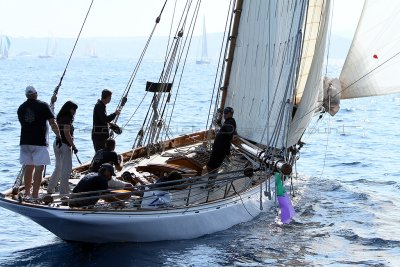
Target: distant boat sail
[
  {"x": 204, "y": 55},
  {"x": 51, "y": 47},
  {"x": 92, "y": 51},
  {"x": 5, "y": 44}
]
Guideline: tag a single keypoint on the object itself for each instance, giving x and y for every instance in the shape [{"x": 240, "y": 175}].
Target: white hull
[{"x": 143, "y": 226}]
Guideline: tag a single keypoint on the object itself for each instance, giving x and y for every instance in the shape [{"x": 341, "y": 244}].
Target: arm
[
  {"x": 54, "y": 127},
  {"x": 118, "y": 161},
  {"x": 101, "y": 114},
  {"x": 67, "y": 134}
]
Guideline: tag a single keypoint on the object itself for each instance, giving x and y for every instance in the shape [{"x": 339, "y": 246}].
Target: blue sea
[{"x": 346, "y": 191}]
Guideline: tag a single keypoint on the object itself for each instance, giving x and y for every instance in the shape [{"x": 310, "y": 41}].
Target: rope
[
  {"x": 184, "y": 63},
  {"x": 159, "y": 102},
  {"x": 229, "y": 15},
  {"x": 55, "y": 92},
  {"x": 124, "y": 98}
]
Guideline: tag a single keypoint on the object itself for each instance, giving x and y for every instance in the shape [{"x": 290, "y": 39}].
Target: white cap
[{"x": 30, "y": 90}]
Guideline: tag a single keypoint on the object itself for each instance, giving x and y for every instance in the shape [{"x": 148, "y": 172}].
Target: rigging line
[
  {"x": 369, "y": 72},
  {"x": 301, "y": 50},
  {"x": 156, "y": 98},
  {"x": 187, "y": 51},
  {"x": 273, "y": 140},
  {"x": 140, "y": 103},
  {"x": 159, "y": 95},
  {"x": 279, "y": 79},
  {"x": 223, "y": 75},
  {"x": 175, "y": 60},
  {"x": 133, "y": 75},
  {"x": 326, "y": 147},
  {"x": 169, "y": 49},
  {"x": 300, "y": 40},
  {"x": 329, "y": 37},
  {"x": 234, "y": 189},
  {"x": 55, "y": 92},
  {"x": 150, "y": 111},
  {"x": 174, "y": 57},
  {"x": 295, "y": 69},
  {"x": 314, "y": 127},
  {"x": 228, "y": 15},
  {"x": 169, "y": 35}
]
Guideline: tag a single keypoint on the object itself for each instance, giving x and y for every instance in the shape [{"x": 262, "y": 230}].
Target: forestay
[
  {"x": 309, "y": 84},
  {"x": 264, "y": 68},
  {"x": 373, "y": 62}
]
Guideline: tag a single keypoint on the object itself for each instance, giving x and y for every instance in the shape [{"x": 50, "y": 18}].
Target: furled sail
[
  {"x": 264, "y": 69},
  {"x": 373, "y": 62},
  {"x": 310, "y": 82}
]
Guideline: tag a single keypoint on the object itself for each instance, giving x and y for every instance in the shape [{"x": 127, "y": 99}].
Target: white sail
[
  {"x": 5, "y": 44},
  {"x": 373, "y": 62},
  {"x": 263, "y": 75},
  {"x": 310, "y": 83},
  {"x": 204, "y": 53}
]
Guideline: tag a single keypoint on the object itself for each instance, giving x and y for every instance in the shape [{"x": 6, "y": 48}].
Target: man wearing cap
[
  {"x": 100, "y": 130},
  {"x": 92, "y": 182},
  {"x": 96, "y": 182},
  {"x": 222, "y": 143},
  {"x": 34, "y": 151}
]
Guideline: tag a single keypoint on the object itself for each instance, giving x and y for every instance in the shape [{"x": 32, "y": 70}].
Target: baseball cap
[
  {"x": 30, "y": 90},
  {"x": 228, "y": 109},
  {"x": 108, "y": 167}
]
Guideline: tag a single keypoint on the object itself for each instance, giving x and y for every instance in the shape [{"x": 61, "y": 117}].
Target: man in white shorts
[{"x": 34, "y": 149}]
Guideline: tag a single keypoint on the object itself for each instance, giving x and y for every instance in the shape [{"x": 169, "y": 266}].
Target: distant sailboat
[
  {"x": 204, "y": 55},
  {"x": 51, "y": 47},
  {"x": 92, "y": 52},
  {"x": 5, "y": 44}
]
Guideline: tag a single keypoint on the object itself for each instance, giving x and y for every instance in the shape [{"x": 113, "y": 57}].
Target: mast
[{"x": 232, "y": 44}]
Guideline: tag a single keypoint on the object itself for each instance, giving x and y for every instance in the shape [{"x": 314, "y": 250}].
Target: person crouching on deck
[
  {"x": 222, "y": 143},
  {"x": 107, "y": 155},
  {"x": 92, "y": 182}
]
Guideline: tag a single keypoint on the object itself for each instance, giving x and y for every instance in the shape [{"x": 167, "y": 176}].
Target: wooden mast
[{"x": 232, "y": 45}]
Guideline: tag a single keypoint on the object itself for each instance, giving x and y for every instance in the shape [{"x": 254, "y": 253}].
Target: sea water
[{"x": 346, "y": 192}]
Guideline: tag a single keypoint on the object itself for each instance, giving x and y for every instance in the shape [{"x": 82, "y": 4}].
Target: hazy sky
[{"x": 63, "y": 18}]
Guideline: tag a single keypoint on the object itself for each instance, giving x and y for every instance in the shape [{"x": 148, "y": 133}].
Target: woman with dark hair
[{"x": 63, "y": 149}]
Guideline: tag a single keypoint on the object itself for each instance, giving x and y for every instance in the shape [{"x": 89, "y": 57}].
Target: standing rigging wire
[
  {"x": 140, "y": 135},
  {"x": 55, "y": 92},
  {"x": 124, "y": 98},
  {"x": 179, "y": 52},
  {"x": 194, "y": 20},
  {"x": 229, "y": 15},
  {"x": 174, "y": 59},
  {"x": 276, "y": 129}
]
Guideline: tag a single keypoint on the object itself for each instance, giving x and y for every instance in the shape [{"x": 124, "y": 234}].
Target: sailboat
[
  {"x": 5, "y": 44},
  {"x": 273, "y": 76},
  {"x": 204, "y": 53},
  {"x": 51, "y": 48},
  {"x": 92, "y": 52}
]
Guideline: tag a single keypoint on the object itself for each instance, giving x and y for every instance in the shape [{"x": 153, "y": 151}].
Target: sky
[{"x": 123, "y": 18}]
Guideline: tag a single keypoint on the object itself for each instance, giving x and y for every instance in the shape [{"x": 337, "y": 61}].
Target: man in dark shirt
[
  {"x": 222, "y": 143},
  {"x": 34, "y": 152},
  {"x": 92, "y": 182},
  {"x": 107, "y": 155},
  {"x": 100, "y": 130}
]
